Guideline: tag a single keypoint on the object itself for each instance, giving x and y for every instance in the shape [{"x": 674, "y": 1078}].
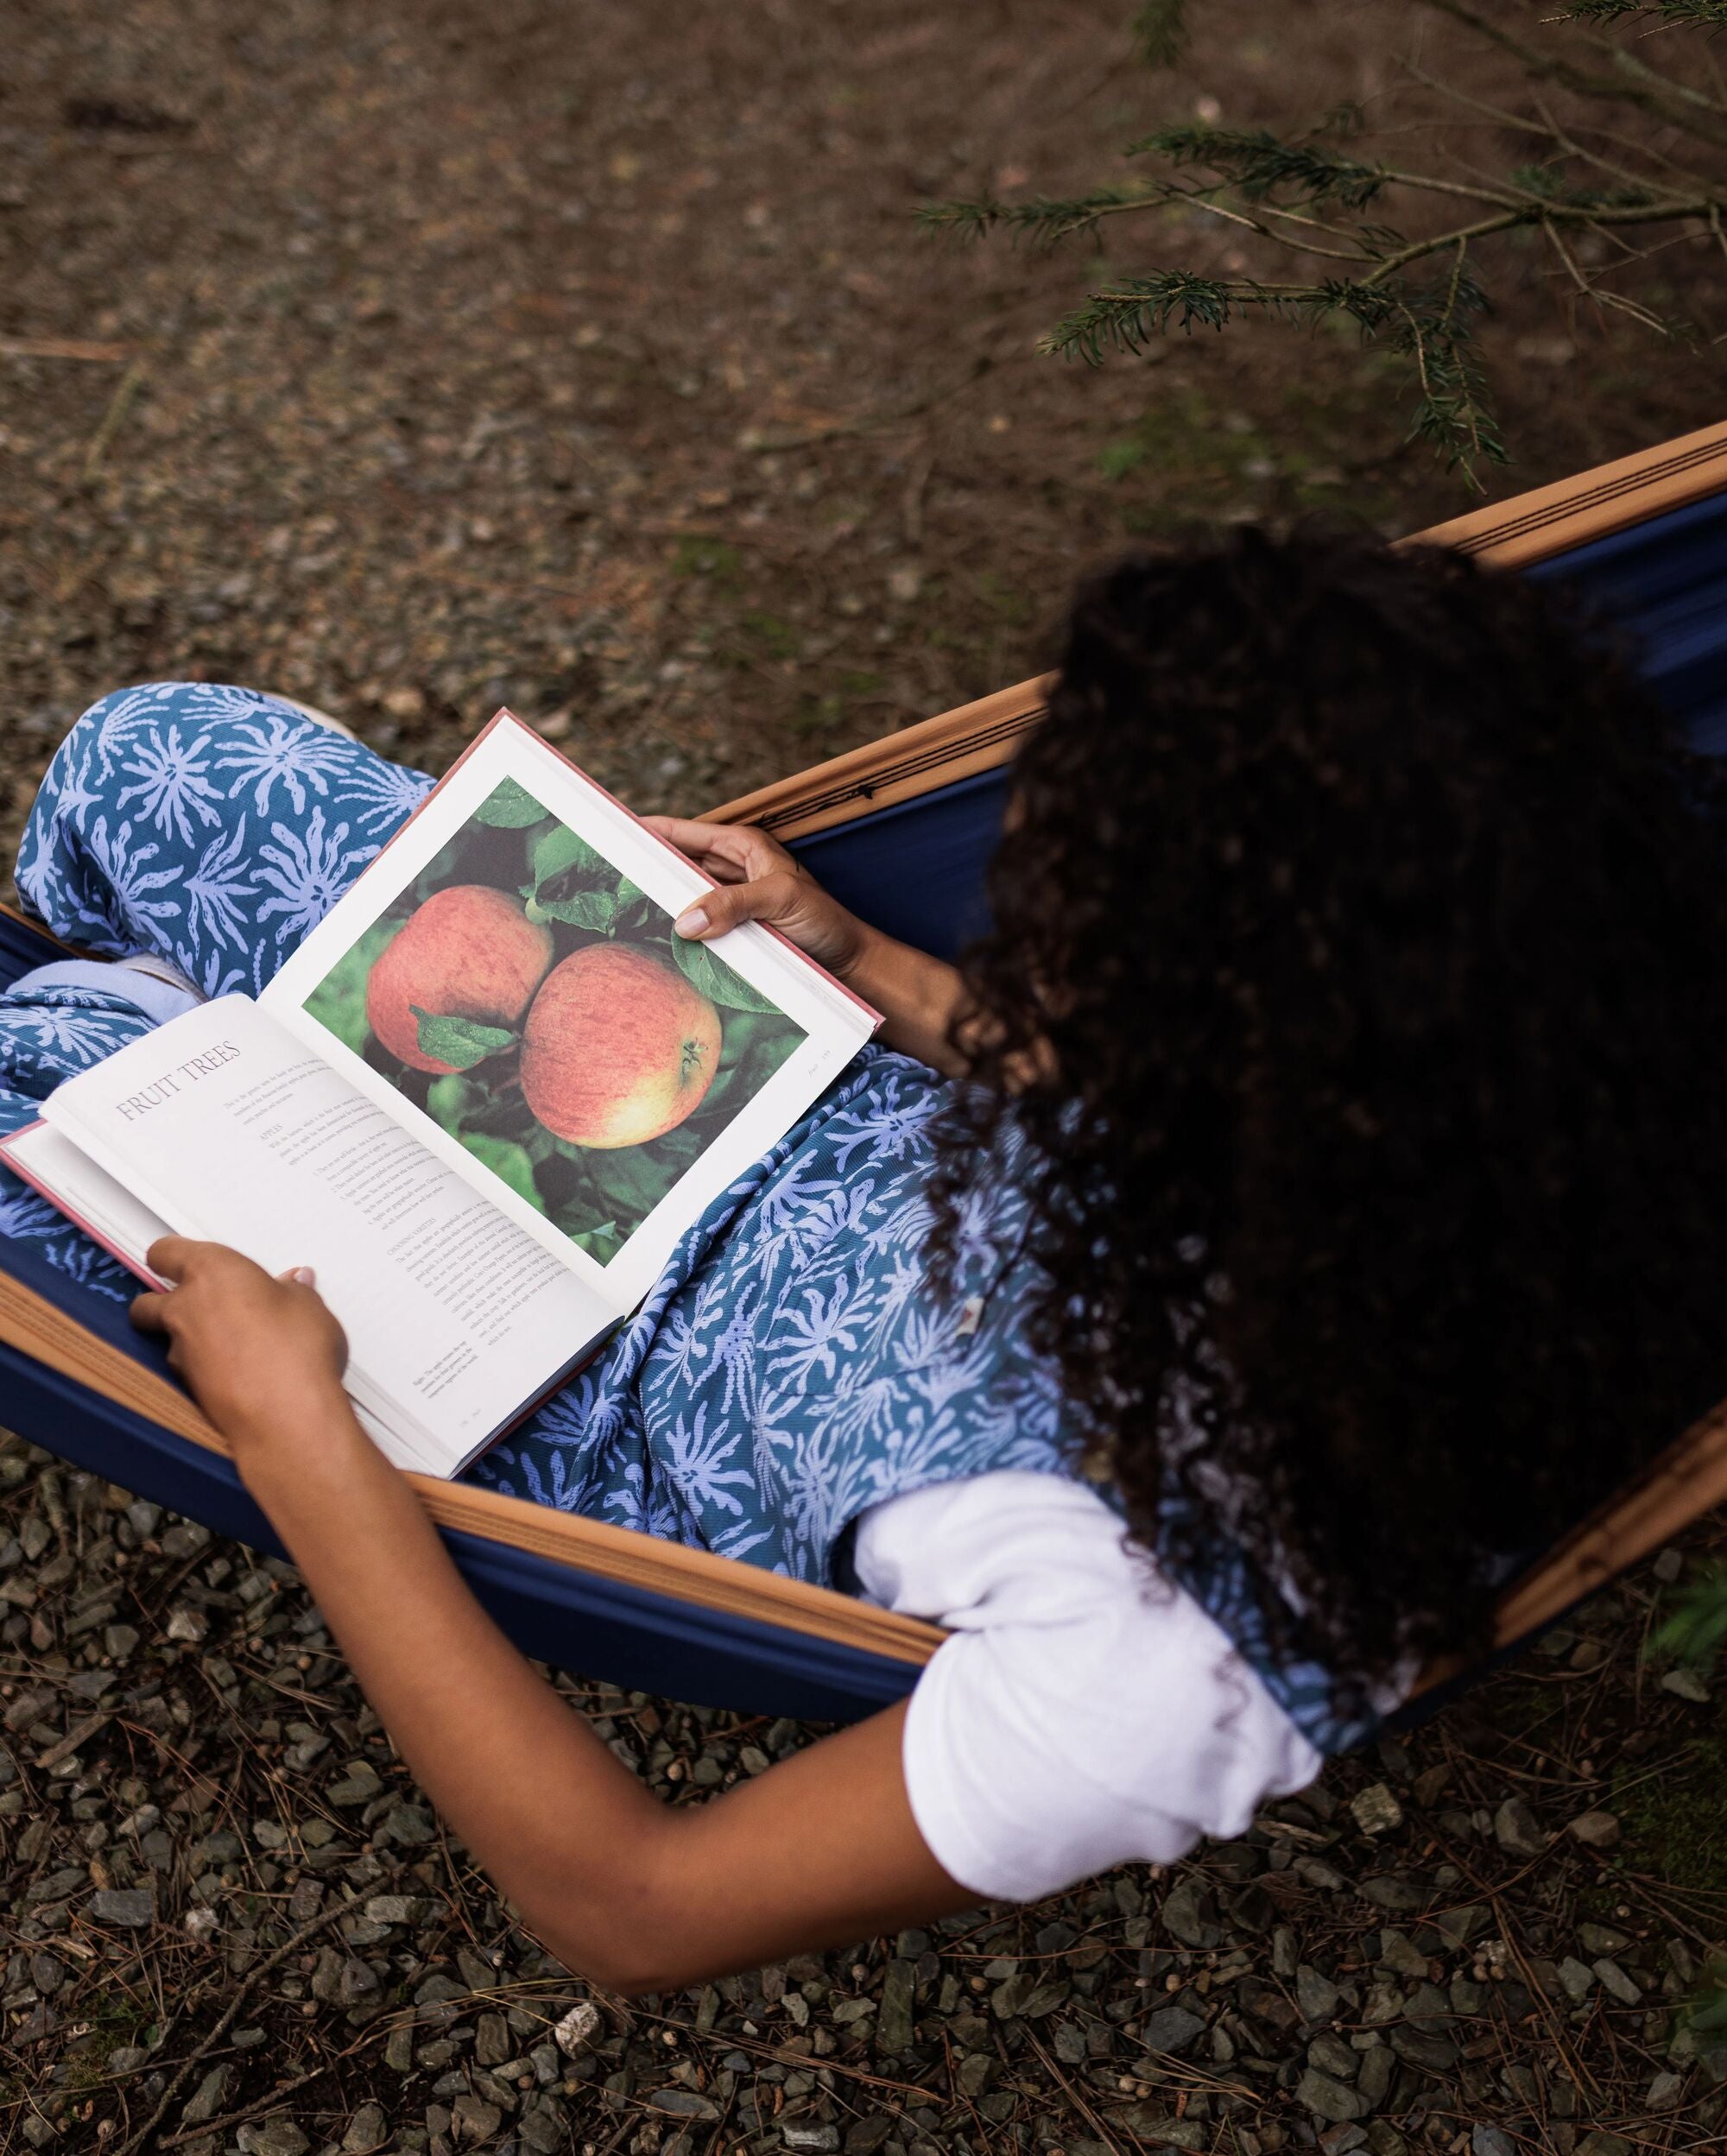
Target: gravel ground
[
  {"x": 232, "y": 1922},
  {"x": 414, "y": 359}
]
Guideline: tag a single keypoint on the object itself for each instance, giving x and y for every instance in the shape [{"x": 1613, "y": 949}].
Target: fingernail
[
  {"x": 304, "y": 1275},
  {"x": 693, "y": 923}
]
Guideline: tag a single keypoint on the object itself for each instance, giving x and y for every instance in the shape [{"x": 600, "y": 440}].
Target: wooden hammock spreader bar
[
  {"x": 35, "y": 1327},
  {"x": 1572, "y": 513},
  {"x": 957, "y": 744}
]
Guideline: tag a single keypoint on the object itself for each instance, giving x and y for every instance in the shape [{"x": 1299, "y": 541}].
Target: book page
[
  {"x": 53, "y": 1164},
  {"x": 506, "y": 973},
  {"x": 224, "y": 1124}
]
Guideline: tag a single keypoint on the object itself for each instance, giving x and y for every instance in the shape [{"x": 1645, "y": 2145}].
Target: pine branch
[
  {"x": 1307, "y": 197},
  {"x": 1160, "y": 32},
  {"x": 1632, "y": 83},
  {"x": 1710, "y": 15},
  {"x": 1259, "y": 163}
]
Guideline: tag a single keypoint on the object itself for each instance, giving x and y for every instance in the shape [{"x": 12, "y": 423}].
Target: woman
[{"x": 1309, "y": 1171}]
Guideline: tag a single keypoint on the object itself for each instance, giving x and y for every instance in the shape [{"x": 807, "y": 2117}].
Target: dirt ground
[{"x": 417, "y": 358}]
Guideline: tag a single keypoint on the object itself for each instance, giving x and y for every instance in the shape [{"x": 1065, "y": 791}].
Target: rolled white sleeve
[{"x": 1086, "y": 1712}]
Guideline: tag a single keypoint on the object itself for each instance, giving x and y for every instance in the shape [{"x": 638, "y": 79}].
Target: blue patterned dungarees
[{"x": 789, "y": 1368}]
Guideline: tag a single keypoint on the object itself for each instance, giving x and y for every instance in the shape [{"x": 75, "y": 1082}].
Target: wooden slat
[
  {"x": 40, "y": 1330},
  {"x": 938, "y": 751},
  {"x": 1592, "y": 504}
]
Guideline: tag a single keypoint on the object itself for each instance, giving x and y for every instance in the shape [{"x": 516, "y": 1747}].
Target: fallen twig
[
  {"x": 242, "y": 1992},
  {"x": 118, "y": 405}
]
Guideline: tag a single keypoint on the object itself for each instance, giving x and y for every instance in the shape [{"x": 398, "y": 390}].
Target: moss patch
[{"x": 1675, "y": 1822}]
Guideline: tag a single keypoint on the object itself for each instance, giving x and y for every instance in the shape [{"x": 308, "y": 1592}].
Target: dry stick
[
  {"x": 1537, "y": 1991},
  {"x": 771, "y": 444},
  {"x": 1073, "y": 2096},
  {"x": 268, "y": 2103},
  {"x": 61, "y": 348},
  {"x": 118, "y": 404},
  {"x": 201, "y": 2051}
]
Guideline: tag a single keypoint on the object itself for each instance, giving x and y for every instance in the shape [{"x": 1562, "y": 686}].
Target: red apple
[
  {"x": 469, "y": 951},
  {"x": 619, "y": 1047}
]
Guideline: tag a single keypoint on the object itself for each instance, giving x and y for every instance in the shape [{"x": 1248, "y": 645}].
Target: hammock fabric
[{"x": 899, "y": 832}]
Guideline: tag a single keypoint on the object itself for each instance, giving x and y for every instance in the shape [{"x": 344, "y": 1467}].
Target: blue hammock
[{"x": 899, "y": 832}]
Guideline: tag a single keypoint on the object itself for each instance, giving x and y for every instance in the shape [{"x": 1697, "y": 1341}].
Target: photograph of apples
[{"x": 536, "y": 1004}]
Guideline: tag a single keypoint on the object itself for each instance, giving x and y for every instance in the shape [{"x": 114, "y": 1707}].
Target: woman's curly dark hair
[{"x": 1357, "y": 969}]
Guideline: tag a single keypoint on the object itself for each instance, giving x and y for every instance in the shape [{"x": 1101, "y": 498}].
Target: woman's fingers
[
  {"x": 148, "y": 1312},
  {"x": 730, "y": 853},
  {"x": 775, "y": 898}
]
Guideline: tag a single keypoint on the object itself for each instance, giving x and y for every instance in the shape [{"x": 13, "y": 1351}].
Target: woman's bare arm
[
  {"x": 636, "y": 1895},
  {"x": 759, "y": 880}
]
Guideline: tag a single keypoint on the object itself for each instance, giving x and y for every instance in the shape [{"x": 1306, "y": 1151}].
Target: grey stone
[
  {"x": 492, "y": 2045},
  {"x": 1315, "y": 1995},
  {"x": 407, "y": 1826},
  {"x": 133, "y": 1907},
  {"x": 1172, "y": 2030},
  {"x": 368, "y": 2129},
  {"x": 1375, "y": 1810},
  {"x": 474, "y": 2118},
  {"x": 1517, "y": 1830},
  {"x": 812, "y": 2140},
  {"x": 894, "y": 2017},
  {"x": 392, "y": 1909},
  {"x": 1399, "y": 1952},
  {"x": 1665, "y": 2091},
  {"x": 1433, "y": 2054},
  {"x": 1489, "y": 2140},
  {"x": 1614, "y": 1979},
  {"x": 685, "y": 2104},
  {"x": 1150, "y": 2122},
  {"x": 278, "y": 2136},
  {"x": 1602, "y": 1938},
  {"x": 1187, "y": 1914},
  {"x": 1685, "y": 1684},
  {"x": 1461, "y": 1925},
  {"x": 207, "y": 2100},
  {"x": 579, "y": 2029},
  {"x": 1334, "y": 2101},
  {"x": 1373, "y": 2078},
  {"x": 1595, "y": 1830},
  {"x": 1577, "y": 1979},
  {"x": 1599, "y": 2144},
  {"x": 545, "y": 2134},
  {"x": 1400, "y": 1894},
  {"x": 1329, "y": 2054}
]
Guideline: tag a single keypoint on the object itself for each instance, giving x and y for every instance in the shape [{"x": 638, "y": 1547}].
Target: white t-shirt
[{"x": 1086, "y": 1711}]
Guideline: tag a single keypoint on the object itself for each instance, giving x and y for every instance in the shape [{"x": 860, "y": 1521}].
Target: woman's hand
[
  {"x": 262, "y": 1355},
  {"x": 758, "y": 880}
]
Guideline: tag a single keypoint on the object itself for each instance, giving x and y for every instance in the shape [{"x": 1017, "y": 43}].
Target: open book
[{"x": 483, "y": 1099}]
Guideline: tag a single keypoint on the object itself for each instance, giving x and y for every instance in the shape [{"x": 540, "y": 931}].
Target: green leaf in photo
[
  {"x": 460, "y": 1042},
  {"x": 509, "y": 808},
  {"x": 602, "y": 1244},
  {"x": 597, "y": 910},
  {"x": 718, "y": 981},
  {"x": 339, "y": 1001},
  {"x": 561, "y": 849},
  {"x": 510, "y": 1163},
  {"x": 451, "y": 1101}
]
